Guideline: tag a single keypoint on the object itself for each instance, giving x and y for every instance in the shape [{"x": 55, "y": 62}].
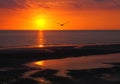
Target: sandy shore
[
  {"x": 59, "y": 52},
  {"x": 12, "y": 69}
]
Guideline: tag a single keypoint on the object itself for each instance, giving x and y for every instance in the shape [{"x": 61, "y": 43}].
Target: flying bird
[{"x": 62, "y": 24}]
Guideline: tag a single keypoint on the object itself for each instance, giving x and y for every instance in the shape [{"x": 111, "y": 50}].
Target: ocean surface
[{"x": 10, "y": 39}]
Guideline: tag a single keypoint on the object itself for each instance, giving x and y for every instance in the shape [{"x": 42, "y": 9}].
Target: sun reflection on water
[
  {"x": 77, "y": 63},
  {"x": 40, "y": 63},
  {"x": 41, "y": 40},
  {"x": 42, "y": 80}
]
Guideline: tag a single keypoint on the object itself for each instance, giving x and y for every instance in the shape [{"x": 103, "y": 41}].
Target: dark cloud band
[
  {"x": 12, "y": 4},
  {"x": 70, "y": 4}
]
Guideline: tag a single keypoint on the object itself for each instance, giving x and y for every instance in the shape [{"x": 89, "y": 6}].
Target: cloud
[
  {"x": 108, "y": 4},
  {"x": 10, "y": 4},
  {"x": 62, "y": 4},
  {"x": 81, "y": 4},
  {"x": 94, "y": 4}
]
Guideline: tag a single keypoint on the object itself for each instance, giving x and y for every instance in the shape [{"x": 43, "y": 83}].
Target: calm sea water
[{"x": 55, "y": 38}]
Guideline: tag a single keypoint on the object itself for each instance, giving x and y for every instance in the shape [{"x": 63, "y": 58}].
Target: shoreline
[
  {"x": 13, "y": 70},
  {"x": 63, "y": 50},
  {"x": 110, "y": 48},
  {"x": 18, "y": 56}
]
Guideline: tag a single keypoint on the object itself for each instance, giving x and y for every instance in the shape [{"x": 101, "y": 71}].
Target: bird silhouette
[{"x": 62, "y": 24}]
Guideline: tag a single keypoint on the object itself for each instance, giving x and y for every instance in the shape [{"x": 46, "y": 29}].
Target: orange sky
[{"x": 46, "y": 14}]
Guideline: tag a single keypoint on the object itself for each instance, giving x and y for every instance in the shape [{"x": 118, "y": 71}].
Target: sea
[{"x": 10, "y": 39}]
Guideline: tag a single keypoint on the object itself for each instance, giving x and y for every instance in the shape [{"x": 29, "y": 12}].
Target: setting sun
[{"x": 39, "y": 22}]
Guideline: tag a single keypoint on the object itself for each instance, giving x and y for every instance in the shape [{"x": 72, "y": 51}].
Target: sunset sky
[{"x": 47, "y": 14}]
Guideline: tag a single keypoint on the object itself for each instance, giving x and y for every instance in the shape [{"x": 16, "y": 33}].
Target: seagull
[{"x": 62, "y": 24}]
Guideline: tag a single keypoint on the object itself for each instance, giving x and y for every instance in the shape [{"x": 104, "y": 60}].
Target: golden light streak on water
[
  {"x": 40, "y": 63},
  {"x": 41, "y": 40}
]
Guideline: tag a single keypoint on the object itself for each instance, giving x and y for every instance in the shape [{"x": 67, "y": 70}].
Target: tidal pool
[{"x": 77, "y": 63}]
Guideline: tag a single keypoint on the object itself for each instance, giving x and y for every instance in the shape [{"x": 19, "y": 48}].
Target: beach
[
  {"x": 59, "y": 41},
  {"x": 13, "y": 69}
]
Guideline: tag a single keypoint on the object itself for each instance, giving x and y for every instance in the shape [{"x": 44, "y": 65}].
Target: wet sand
[{"x": 12, "y": 69}]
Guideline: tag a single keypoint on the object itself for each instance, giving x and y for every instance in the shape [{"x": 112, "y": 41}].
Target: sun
[{"x": 39, "y": 22}]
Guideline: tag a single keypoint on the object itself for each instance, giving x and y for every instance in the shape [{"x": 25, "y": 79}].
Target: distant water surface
[{"x": 55, "y": 38}]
